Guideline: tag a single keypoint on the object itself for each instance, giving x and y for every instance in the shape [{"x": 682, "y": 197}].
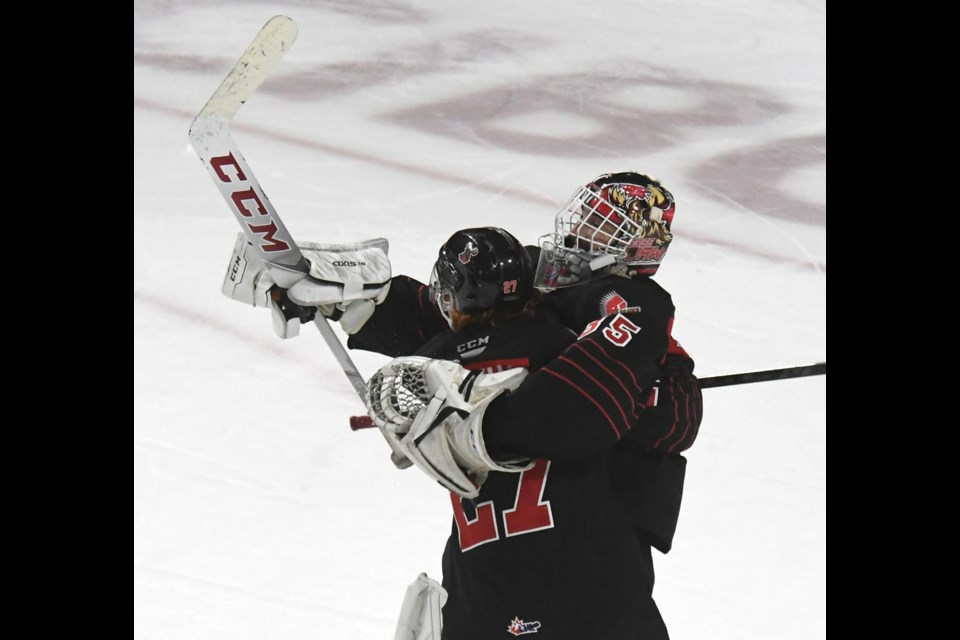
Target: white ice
[{"x": 257, "y": 512}]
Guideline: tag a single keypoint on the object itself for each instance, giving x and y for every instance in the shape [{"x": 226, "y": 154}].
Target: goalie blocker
[{"x": 345, "y": 282}]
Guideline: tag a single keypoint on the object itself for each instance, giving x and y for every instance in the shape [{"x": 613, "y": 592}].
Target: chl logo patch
[{"x": 519, "y": 628}]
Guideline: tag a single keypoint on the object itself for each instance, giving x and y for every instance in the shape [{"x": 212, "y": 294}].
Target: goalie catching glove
[
  {"x": 345, "y": 282},
  {"x": 431, "y": 411}
]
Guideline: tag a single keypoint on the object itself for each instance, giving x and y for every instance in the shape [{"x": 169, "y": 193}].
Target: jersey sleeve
[
  {"x": 589, "y": 397},
  {"x": 402, "y": 323},
  {"x": 671, "y": 421},
  {"x": 625, "y": 377}
]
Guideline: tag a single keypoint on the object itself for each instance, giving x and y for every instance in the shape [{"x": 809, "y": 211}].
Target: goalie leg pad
[{"x": 420, "y": 615}]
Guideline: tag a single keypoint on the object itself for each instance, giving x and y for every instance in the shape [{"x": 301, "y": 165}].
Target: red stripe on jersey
[
  {"x": 673, "y": 347},
  {"x": 588, "y": 397},
  {"x": 602, "y": 366},
  {"x": 626, "y": 422},
  {"x": 686, "y": 407},
  {"x": 495, "y": 366},
  {"x": 693, "y": 422},
  {"x": 676, "y": 415},
  {"x": 625, "y": 367}
]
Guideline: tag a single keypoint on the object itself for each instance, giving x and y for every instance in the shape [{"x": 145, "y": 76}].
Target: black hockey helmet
[{"x": 482, "y": 269}]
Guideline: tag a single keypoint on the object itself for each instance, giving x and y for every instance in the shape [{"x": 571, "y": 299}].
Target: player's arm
[
  {"x": 648, "y": 481},
  {"x": 344, "y": 282},
  {"x": 348, "y": 283},
  {"x": 588, "y": 398},
  {"x": 441, "y": 416},
  {"x": 674, "y": 409},
  {"x": 402, "y": 323}
]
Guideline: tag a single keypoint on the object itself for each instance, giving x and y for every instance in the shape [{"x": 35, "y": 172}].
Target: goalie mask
[
  {"x": 481, "y": 269},
  {"x": 619, "y": 219}
]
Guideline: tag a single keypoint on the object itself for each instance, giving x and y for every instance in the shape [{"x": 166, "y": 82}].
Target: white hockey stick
[{"x": 210, "y": 137}]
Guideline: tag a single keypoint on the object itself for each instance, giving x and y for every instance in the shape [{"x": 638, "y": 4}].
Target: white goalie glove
[
  {"x": 345, "y": 282},
  {"x": 432, "y": 412}
]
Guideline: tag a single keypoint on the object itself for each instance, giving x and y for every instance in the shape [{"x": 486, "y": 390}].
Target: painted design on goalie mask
[
  {"x": 626, "y": 216},
  {"x": 647, "y": 206},
  {"x": 468, "y": 252}
]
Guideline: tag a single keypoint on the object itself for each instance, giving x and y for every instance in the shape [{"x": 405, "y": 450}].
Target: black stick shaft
[
  {"x": 817, "y": 369},
  {"x": 820, "y": 368}
]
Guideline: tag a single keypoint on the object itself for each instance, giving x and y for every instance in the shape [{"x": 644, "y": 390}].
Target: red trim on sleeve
[
  {"x": 676, "y": 410},
  {"x": 495, "y": 366},
  {"x": 588, "y": 397},
  {"x": 686, "y": 406},
  {"x": 626, "y": 422},
  {"x": 602, "y": 366},
  {"x": 625, "y": 367}
]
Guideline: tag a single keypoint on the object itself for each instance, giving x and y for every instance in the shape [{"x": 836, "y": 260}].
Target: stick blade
[{"x": 265, "y": 51}]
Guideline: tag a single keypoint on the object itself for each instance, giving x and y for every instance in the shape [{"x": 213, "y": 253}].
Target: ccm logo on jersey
[
  {"x": 618, "y": 331},
  {"x": 473, "y": 347}
]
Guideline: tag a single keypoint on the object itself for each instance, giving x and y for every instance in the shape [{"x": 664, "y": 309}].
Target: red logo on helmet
[{"x": 468, "y": 252}]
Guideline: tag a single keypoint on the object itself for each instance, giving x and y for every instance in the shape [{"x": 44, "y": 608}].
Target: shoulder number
[{"x": 619, "y": 331}]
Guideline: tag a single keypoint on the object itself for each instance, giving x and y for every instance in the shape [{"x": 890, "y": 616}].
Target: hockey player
[
  {"x": 537, "y": 545},
  {"x": 626, "y": 374},
  {"x": 608, "y": 240}
]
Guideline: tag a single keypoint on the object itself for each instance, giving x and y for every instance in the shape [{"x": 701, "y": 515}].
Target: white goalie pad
[
  {"x": 420, "y": 614},
  {"x": 247, "y": 279},
  {"x": 345, "y": 280},
  {"x": 338, "y": 273},
  {"x": 432, "y": 411}
]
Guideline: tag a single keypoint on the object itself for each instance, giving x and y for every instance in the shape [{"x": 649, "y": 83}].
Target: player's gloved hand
[
  {"x": 353, "y": 314},
  {"x": 676, "y": 408},
  {"x": 345, "y": 281},
  {"x": 432, "y": 412}
]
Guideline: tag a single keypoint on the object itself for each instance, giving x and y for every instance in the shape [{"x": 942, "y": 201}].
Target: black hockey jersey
[
  {"x": 592, "y": 385},
  {"x": 628, "y": 379},
  {"x": 601, "y": 491},
  {"x": 549, "y": 549}
]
